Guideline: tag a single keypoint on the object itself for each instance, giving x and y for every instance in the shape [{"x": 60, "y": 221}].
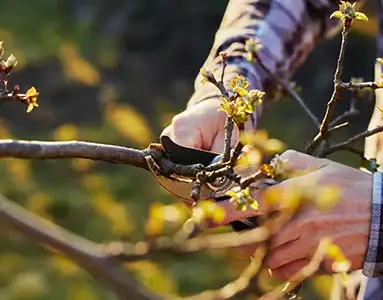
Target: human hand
[
  {"x": 373, "y": 143},
  {"x": 347, "y": 223},
  {"x": 201, "y": 126}
]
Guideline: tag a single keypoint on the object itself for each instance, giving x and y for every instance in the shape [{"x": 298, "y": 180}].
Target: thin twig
[
  {"x": 359, "y": 85},
  {"x": 288, "y": 89},
  {"x": 238, "y": 147},
  {"x": 235, "y": 287},
  {"x": 144, "y": 250},
  {"x": 347, "y": 114},
  {"x": 224, "y": 65},
  {"x": 3, "y": 80},
  {"x": 346, "y": 145},
  {"x": 306, "y": 272},
  {"x": 125, "y": 251},
  {"x": 245, "y": 182},
  {"x": 335, "y": 97},
  {"x": 248, "y": 279},
  {"x": 336, "y": 127},
  {"x": 229, "y": 126},
  {"x": 351, "y": 149}
]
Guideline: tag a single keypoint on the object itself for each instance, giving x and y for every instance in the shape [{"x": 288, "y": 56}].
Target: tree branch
[
  {"x": 124, "y": 251},
  {"x": 229, "y": 126},
  {"x": 336, "y": 95},
  {"x": 73, "y": 149},
  {"x": 351, "y": 112},
  {"x": 360, "y": 85},
  {"x": 85, "y": 253},
  {"x": 346, "y": 145}
]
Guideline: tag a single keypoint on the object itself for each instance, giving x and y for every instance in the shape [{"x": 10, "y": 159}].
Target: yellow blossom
[
  {"x": 31, "y": 99},
  {"x": 208, "y": 210},
  {"x": 259, "y": 139},
  {"x": 347, "y": 11},
  {"x": 11, "y": 61},
  {"x": 251, "y": 47},
  {"x": 239, "y": 83},
  {"x": 242, "y": 198},
  {"x": 341, "y": 264}
]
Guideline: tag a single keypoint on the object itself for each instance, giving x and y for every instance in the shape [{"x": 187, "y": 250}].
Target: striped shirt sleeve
[
  {"x": 373, "y": 264},
  {"x": 288, "y": 31}
]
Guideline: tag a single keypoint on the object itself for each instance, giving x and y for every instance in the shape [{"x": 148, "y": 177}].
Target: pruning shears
[{"x": 181, "y": 187}]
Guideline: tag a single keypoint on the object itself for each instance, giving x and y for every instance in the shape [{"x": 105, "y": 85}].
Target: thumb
[
  {"x": 218, "y": 144},
  {"x": 297, "y": 163},
  {"x": 185, "y": 136}
]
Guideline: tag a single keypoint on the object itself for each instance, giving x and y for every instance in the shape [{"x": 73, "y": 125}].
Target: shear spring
[{"x": 219, "y": 183}]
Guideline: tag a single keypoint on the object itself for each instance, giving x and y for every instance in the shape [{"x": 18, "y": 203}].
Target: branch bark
[{"x": 73, "y": 149}]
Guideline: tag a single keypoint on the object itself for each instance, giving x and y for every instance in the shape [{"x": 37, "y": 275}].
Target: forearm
[{"x": 288, "y": 30}]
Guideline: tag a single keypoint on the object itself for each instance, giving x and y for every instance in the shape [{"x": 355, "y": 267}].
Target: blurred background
[{"x": 116, "y": 71}]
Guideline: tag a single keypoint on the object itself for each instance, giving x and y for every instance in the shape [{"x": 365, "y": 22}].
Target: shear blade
[
  {"x": 186, "y": 155},
  {"x": 182, "y": 189}
]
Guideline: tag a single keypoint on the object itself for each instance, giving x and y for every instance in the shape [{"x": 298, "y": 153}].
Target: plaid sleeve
[
  {"x": 288, "y": 31},
  {"x": 373, "y": 264}
]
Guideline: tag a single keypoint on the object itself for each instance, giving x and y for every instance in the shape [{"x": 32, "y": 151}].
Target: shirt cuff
[{"x": 373, "y": 264}]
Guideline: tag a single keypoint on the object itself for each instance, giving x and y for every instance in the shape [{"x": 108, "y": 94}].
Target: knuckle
[
  {"x": 179, "y": 120},
  {"x": 166, "y": 131},
  {"x": 289, "y": 153},
  {"x": 279, "y": 274}
]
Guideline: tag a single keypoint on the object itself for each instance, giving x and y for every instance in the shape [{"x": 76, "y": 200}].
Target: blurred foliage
[{"x": 116, "y": 72}]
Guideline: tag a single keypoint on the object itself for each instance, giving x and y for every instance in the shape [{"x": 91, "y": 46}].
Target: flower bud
[{"x": 11, "y": 61}]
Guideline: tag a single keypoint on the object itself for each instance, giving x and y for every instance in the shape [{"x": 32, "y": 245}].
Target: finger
[
  {"x": 233, "y": 214},
  {"x": 297, "y": 163},
  {"x": 372, "y": 142},
  {"x": 166, "y": 131},
  {"x": 290, "y": 232},
  {"x": 287, "y": 253},
  {"x": 262, "y": 196},
  {"x": 285, "y": 272},
  {"x": 184, "y": 135},
  {"x": 353, "y": 285},
  {"x": 246, "y": 250}
]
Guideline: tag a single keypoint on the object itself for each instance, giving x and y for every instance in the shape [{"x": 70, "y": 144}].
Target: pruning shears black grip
[{"x": 189, "y": 156}]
